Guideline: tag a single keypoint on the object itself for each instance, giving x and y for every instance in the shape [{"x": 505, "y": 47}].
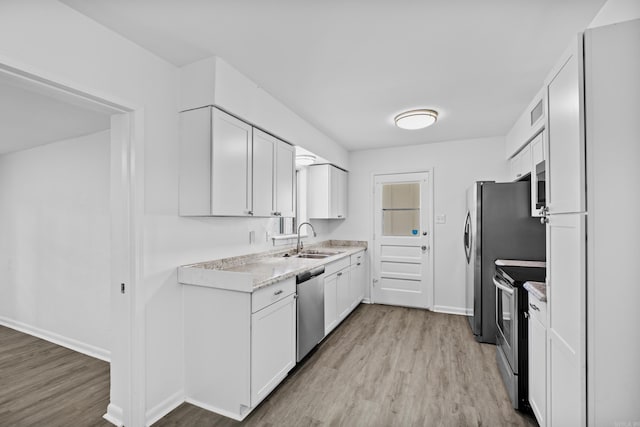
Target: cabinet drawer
[
  {"x": 336, "y": 266},
  {"x": 541, "y": 313},
  {"x": 272, "y": 293},
  {"x": 357, "y": 258}
]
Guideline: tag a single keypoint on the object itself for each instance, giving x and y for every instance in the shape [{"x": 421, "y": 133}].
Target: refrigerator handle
[{"x": 466, "y": 237}]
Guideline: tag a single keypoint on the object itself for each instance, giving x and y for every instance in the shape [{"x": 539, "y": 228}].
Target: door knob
[
  {"x": 424, "y": 248},
  {"x": 424, "y": 233}
]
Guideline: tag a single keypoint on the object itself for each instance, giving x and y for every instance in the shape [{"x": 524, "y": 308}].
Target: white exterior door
[{"x": 402, "y": 240}]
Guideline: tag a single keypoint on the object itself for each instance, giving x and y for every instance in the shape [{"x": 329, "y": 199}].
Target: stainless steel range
[{"x": 511, "y": 323}]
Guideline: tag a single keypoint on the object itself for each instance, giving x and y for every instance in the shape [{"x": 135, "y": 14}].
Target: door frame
[
  {"x": 430, "y": 221},
  {"x": 127, "y": 311}
]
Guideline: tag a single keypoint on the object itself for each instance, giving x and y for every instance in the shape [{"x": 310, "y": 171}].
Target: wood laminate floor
[
  {"x": 385, "y": 366},
  {"x": 43, "y": 384}
]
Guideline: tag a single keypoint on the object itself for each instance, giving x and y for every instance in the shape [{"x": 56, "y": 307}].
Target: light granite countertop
[
  {"x": 247, "y": 273},
  {"x": 537, "y": 289}
]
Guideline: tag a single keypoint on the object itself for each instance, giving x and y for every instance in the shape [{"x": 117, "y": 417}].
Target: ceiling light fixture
[
  {"x": 416, "y": 119},
  {"x": 305, "y": 159}
]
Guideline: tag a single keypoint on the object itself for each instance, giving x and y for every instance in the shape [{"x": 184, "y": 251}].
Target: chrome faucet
[{"x": 299, "y": 244}]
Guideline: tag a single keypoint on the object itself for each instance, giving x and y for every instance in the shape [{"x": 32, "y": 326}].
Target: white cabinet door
[
  {"x": 520, "y": 164},
  {"x": 341, "y": 209},
  {"x": 215, "y": 164},
  {"x": 231, "y": 165},
  {"x": 273, "y": 176},
  {"x": 330, "y": 303},
  {"x": 285, "y": 178},
  {"x": 273, "y": 346},
  {"x": 537, "y": 361},
  {"x": 357, "y": 279},
  {"x": 343, "y": 292},
  {"x": 566, "y": 290},
  {"x": 566, "y": 148},
  {"x": 263, "y": 172},
  {"x": 537, "y": 151}
]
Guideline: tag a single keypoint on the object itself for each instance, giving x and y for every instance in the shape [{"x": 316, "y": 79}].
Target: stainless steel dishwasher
[{"x": 310, "y": 288}]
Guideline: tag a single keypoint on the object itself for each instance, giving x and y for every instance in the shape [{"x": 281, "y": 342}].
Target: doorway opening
[{"x": 70, "y": 221}]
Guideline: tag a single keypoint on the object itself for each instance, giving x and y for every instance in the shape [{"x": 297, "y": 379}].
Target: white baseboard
[
  {"x": 211, "y": 408},
  {"x": 164, "y": 407},
  {"x": 114, "y": 415},
  {"x": 75, "y": 345},
  {"x": 462, "y": 311}
]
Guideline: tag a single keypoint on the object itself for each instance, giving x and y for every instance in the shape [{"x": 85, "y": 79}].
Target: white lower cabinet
[
  {"x": 238, "y": 345},
  {"x": 330, "y": 303},
  {"x": 343, "y": 289},
  {"x": 538, "y": 359},
  {"x": 273, "y": 346},
  {"x": 343, "y": 293}
]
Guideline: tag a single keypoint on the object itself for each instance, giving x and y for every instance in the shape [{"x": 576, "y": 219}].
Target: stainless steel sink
[
  {"x": 313, "y": 256},
  {"x": 320, "y": 252}
]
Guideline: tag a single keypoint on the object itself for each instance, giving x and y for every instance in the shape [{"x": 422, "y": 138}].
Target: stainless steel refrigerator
[{"x": 498, "y": 224}]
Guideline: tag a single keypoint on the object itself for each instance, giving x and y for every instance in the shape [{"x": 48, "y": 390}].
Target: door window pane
[{"x": 401, "y": 209}]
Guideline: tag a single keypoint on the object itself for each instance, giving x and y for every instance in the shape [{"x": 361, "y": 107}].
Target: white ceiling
[
  {"x": 349, "y": 66},
  {"x": 33, "y": 115}
]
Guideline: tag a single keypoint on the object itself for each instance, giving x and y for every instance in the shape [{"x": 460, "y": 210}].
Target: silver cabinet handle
[
  {"x": 249, "y": 212},
  {"x": 424, "y": 248},
  {"x": 499, "y": 285},
  {"x": 339, "y": 216},
  {"x": 535, "y": 307},
  {"x": 358, "y": 264},
  {"x": 519, "y": 175},
  {"x": 278, "y": 292},
  {"x": 340, "y": 274}
]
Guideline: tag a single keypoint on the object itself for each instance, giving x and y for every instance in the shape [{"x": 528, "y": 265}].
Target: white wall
[
  {"x": 54, "y": 40},
  {"x": 55, "y": 228},
  {"x": 456, "y": 165}
]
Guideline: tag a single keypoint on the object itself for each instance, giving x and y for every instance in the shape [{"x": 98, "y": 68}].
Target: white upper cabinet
[
  {"x": 215, "y": 164},
  {"x": 520, "y": 164},
  {"x": 327, "y": 192},
  {"x": 528, "y": 125},
  {"x": 565, "y": 135},
  {"x": 273, "y": 176},
  {"x": 228, "y": 168}
]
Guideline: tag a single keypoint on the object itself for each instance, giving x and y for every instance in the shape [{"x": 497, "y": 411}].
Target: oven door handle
[{"x": 508, "y": 289}]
